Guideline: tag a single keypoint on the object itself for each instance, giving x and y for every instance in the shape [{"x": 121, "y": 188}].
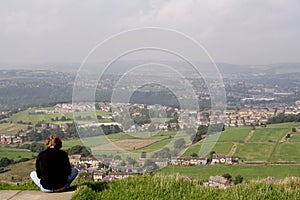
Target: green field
[
  {"x": 71, "y": 143},
  {"x": 269, "y": 134},
  {"x": 249, "y": 172},
  {"x": 223, "y": 147},
  {"x": 295, "y": 137},
  {"x": 195, "y": 148},
  {"x": 254, "y": 151},
  {"x": 15, "y": 154},
  {"x": 234, "y": 134},
  {"x": 289, "y": 125},
  {"x": 287, "y": 152}
]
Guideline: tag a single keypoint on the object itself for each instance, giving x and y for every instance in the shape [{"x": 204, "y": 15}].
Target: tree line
[{"x": 281, "y": 118}]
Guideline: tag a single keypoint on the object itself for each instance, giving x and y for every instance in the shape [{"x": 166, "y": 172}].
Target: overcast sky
[{"x": 232, "y": 31}]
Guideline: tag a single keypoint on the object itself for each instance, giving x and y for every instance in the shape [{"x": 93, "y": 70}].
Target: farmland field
[
  {"x": 289, "y": 125},
  {"x": 195, "y": 148},
  {"x": 269, "y": 134},
  {"x": 16, "y": 154},
  {"x": 223, "y": 147},
  {"x": 235, "y": 134},
  {"x": 155, "y": 146},
  {"x": 254, "y": 151},
  {"x": 287, "y": 152}
]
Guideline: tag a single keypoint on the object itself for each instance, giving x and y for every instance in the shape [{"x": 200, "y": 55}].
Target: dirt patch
[{"x": 249, "y": 136}]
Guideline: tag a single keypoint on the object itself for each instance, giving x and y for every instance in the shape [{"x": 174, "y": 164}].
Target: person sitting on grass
[{"x": 53, "y": 170}]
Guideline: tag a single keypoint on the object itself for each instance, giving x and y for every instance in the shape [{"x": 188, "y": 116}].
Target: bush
[{"x": 238, "y": 179}]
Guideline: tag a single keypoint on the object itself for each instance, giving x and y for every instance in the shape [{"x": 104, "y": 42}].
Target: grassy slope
[
  {"x": 176, "y": 187},
  {"x": 18, "y": 172},
  {"x": 249, "y": 172}
]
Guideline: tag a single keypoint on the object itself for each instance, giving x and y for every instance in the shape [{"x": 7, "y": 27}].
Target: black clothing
[{"x": 53, "y": 168}]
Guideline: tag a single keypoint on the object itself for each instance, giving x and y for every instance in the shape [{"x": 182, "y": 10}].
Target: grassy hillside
[
  {"x": 176, "y": 187},
  {"x": 18, "y": 172},
  {"x": 249, "y": 172}
]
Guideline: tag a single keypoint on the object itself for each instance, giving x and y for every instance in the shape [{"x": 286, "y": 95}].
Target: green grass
[
  {"x": 27, "y": 185},
  {"x": 254, "y": 151},
  {"x": 295, "y": 137},
  {"x": 18, "y": 172},
  {"x": 289, "y": 125},
  {"x": 249, "y": 172},
  {"x": 234, "y": 134},
  {"x": 223, "y": 147},
  {"x": 269, "y": 134},
  {"x": 15, "y": 154},
  {"x": 195, "y": 148},
  {"x": 71, "y": 143},
  {"x": 220, "y": 148},
  {"x": 177, "y": 187},
  {"x": 287, "y": 152}
]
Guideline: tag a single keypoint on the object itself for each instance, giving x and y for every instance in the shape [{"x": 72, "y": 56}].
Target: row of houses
[
  {"x": 9, "y": 139},
  {"x": 189, "y": 161},
  {"x": 99, "y": 176}
]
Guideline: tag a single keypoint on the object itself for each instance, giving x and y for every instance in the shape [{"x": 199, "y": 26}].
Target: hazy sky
[{"x": 232, "y": 31}]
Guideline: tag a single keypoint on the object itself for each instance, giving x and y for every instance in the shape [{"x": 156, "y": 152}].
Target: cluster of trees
[
  {"x": 96, "y": 131},
  {"x": 143, "y": 118},
  {"x": 281, "y": 118},
  {"x": 78, "y": 149},
  {"x": 63, "y": 118},
  {"x": 202, "y": 130},
  {"x": 167, "y": 153},
  {"x": 150, "y": 166},
  {"x": 34, "y": 147},
  {"x": 4, "y": 162},
  {"x": 36, "y": 135},
  {"x": 164, "y": 153},
  {"x": 237, "y": 180}
]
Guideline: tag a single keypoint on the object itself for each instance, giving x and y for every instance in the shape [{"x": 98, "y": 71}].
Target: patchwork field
[
  {"x": 269, "y": 134},
  {"x": 234, "y": 134},
  {"x": 254, "y": 151},
  {"x": 262, "y": 144}
]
